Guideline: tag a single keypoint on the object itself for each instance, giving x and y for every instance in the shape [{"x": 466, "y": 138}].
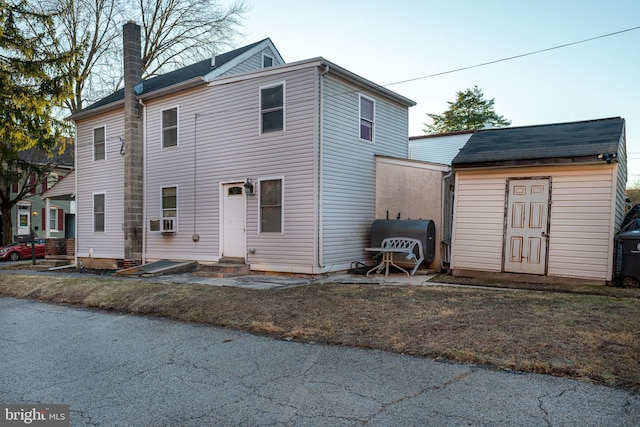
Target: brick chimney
[{"x": 133, "y": 147}]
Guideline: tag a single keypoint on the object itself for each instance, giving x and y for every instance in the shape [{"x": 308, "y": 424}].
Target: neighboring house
[
  {"x": 541, "y": 202},
  {"x": 62, "y": 192},
  {"x": 438, "y": 148},
  {"x": 242, "y": 156},
  {"x": 31, "y": 213}
]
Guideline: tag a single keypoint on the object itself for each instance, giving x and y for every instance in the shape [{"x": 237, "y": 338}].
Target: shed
[{"x": 540, "y": 203}]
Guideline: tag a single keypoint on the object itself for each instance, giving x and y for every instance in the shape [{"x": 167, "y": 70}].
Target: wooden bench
[{"x": 398, "y": 245}]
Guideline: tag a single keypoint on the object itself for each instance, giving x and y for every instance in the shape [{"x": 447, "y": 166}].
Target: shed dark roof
[
  {"x": 542, "y": 144},
  {"x": 199, "y": 69}
]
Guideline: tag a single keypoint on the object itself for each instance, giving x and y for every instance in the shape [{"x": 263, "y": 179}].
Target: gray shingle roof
[
  {"x": 542, "y": 144},
  {"x": 199, "y": 69}
]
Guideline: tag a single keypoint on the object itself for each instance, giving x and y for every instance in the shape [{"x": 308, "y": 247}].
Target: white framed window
[
  {"x": 99, "y": 217},
  {"x": 169, "y": 214},
  {"x": 367, "y": 118},
  {"x": 53, "y": 219},
  {"x": 272, "y": 108},
  {"x": 271, "y": 205},
  {"x": 99, "y": 143},
  {"x": 170, "y": 127},
  {"x": 267, "y": 60}
]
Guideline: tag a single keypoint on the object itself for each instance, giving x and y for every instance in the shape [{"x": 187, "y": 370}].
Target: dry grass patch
[{"x": 588, "y": 336}]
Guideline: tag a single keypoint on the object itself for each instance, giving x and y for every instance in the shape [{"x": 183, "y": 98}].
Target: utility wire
[{"x": 514, "y": 57}]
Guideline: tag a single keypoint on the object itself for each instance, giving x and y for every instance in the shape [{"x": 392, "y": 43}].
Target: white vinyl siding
[
  {"x": 222, "y": 145},
  {"x": 348, "y": 169},
  {"x": 437, "y": 149},
  {"x": 100, "y": 177},
  {"x": 253, "y": 63},
  {"x": 581, "y": 216}
]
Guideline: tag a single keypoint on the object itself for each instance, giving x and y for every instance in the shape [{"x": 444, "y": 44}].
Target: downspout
[
  {"x": 75, "y": 177},
  {"x": 144, "y": 181},
  {"x": 320, "y": 168},
  {"x": 443, "y": 213}
]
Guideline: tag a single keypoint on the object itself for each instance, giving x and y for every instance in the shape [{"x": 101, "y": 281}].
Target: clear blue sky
[{"x": 392, "y": 41}]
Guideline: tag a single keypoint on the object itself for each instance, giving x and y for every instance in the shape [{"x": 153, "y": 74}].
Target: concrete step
[{"x": 223, "y": 269}]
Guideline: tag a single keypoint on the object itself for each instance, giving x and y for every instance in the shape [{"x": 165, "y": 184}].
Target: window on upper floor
[
  {"x": 267, "y": 60},
  {"x": 170, "y": 127},
  {"x": 99, "y": 202},
  {"x": 169, "y": 209},
  {"x": 272, "y": 108},
  {"x": 99, "y": 144},
  {"x": 271, "y": 206},
  {"x": 367, "y": 117}
]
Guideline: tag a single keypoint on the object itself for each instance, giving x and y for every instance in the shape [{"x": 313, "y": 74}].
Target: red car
[{"x": 16, "y": 251}]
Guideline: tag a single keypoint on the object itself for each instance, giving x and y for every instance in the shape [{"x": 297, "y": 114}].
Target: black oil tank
[{"x": 421, "y": 229}]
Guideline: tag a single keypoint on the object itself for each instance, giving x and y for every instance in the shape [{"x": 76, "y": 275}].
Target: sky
[{"x": 394, "y": 41}]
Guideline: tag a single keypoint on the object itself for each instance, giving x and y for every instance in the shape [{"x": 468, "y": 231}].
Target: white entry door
[
  {"x": 526, "y": 226},
  {"x": 234, "y": 224}
]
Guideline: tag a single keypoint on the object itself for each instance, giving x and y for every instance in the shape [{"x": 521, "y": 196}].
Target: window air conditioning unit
[{"x": 168, "y": 225}]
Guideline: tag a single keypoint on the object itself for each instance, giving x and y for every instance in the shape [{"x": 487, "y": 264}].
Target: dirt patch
[{"x": 577, "y": 334}]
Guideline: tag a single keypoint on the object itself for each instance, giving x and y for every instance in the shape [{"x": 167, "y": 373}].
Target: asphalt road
[{"x": 121, "y": 370}]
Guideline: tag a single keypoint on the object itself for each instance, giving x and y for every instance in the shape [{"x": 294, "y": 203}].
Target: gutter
[{"x": 187, "y": 84}]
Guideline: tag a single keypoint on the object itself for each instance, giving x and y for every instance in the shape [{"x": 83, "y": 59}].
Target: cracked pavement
[{"x": 116, "y": 369}]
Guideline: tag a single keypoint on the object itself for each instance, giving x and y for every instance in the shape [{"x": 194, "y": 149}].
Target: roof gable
[
  {"x": 201, "y": 71},
  {"x": 542, "y": 144}
]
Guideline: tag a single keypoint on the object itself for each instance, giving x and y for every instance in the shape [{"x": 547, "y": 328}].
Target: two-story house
[
  {"x": 30, "y": 213},
  {"x": 242, "y": 156}
]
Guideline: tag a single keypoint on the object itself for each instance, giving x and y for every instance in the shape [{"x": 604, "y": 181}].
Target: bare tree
[
  {"x": 179, "y": 32},
  {"x": 175, "y": 32}
]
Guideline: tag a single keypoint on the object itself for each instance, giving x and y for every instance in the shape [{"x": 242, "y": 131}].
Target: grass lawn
[{"x": 584, "y": 332}]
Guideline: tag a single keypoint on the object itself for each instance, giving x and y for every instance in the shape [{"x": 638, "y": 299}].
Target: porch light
[{"x": 248, "y": 186}]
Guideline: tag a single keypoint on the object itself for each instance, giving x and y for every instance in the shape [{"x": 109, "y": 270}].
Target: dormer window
[{"x": 267, "y": 60}]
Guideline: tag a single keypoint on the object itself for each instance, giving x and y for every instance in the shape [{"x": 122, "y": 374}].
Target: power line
[{"x": 514, "y": 57}]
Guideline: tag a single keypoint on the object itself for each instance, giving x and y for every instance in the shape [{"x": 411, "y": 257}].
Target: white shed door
[
  {"x": 526, "y": 226},
  {"x": 233, "y": 227}
]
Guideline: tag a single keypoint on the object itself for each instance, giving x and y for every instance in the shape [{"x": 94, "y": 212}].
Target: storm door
[{"x": 234, "y": 224}]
